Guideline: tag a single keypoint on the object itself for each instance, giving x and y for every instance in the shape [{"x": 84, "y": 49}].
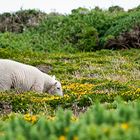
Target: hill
[
  {"x": 82, "y": 30},
  {"x": 96, "y": 56}
]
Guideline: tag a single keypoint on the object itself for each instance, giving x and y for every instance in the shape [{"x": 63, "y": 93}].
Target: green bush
[
  {"x": 115, "y": 9},
  {"x": 82, "y": 30},
  {"x": 77, "y": 31},
  {"x": 99, "y": 122},
  {"x": 124, "y": 24}
]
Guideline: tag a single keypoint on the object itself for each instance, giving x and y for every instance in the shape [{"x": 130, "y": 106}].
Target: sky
[{"x": 63, "y": 6}]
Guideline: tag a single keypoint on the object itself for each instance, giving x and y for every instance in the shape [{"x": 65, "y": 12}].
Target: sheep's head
[{"x": 56, "y": 88}]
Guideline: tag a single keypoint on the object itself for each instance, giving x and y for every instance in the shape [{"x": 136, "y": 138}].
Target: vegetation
[
  {"x": 86, "y": 77},
  {"x": 101, "y": 87},
  {"x": 109, "y": 121},
  {"x": 82, "y": 30},
  {"x": 18, "y": 22}
]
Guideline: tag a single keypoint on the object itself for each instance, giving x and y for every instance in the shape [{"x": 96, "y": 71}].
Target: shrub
[
  {"x": 115, "y": 9},
  {"x": 124, "y": 24},
  {"x": 82, "y": 30},
  {"x": 126, "y": 40},
  {"x": 17, "y": 22},
  {"x": 108, "y": 121}
]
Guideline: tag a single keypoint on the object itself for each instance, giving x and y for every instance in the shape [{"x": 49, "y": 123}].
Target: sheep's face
[{"x": 56, "y": 88}]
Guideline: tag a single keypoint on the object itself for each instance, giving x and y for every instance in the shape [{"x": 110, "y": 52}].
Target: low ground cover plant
[
  {"x": 85, "y": 77},
  {"x": 118, "y": 120}
]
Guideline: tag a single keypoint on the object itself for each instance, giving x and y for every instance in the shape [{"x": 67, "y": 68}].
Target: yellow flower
[
  {"x": 74, "y": 119},
  {"x": 79, "y": 88},
  {"x": 30, "y": 118},
  {"x": 138, "y": 90},
  {"x": 62, "y": 138},
  {"x": 124, "y": 126},
  {"x": 51, "y": 118},
  {"x": 2, "y": 133},
  {"x": 66, "y": 96},
  {"x": 27, "y": 117},
  {"x": 75, "y": 138},
  {"x": 33, "y": 119}
]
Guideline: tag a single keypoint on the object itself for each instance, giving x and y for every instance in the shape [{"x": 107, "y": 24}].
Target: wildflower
[
  {"x": 62, "y": 138},
  {"x": 79, "y": 88},
  {"x": 51, "y": 118},
  {"x": 27, "y": 117},
  {"x": 50, "y": 98},
  {"x": 138, "y": 90},
  {"x": 2, "y": 133},
  {"x": 66, "y": 96},
  {"x": 124, "y": 126},
  {"x": 33, "y": 119},
  {"x": 75, "y": 138},
  {"x": 74, "y": 119},
  {"x": 30, "y": 118}
]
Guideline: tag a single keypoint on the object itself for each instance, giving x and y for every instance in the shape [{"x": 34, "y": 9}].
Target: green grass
[{"x": 86, "y": 78}]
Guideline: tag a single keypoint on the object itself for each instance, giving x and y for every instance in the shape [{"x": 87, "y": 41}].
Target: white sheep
[{"x": 24, "y": 77}]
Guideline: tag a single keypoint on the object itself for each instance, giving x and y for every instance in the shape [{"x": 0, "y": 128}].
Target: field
[
  {"x": 101, "y": 97},
  {"x": 95, "y": 53}
]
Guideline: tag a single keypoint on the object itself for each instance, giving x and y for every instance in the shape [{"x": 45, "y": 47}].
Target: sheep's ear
[{"x": 53, "y": 77}]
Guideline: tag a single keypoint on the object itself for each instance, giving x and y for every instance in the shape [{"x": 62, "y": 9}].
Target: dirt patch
[
  {"x": 5, "y": 108},
  {"x": 44, "y": 68},
  {"x": 126, "y": 40}
]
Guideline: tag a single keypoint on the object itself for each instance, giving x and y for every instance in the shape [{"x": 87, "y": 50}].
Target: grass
[{"x": 87, "y": 78}]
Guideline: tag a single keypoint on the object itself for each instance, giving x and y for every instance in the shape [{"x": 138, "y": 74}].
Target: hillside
[
  {"x": 101, "y": 76},
  {"x": 96, "y": 56},
  {"x": 82, "y": 30}
]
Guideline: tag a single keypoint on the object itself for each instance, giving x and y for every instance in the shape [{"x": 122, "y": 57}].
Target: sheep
[{"x": 23, "y": 77}]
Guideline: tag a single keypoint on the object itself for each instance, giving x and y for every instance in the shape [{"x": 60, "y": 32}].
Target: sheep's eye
[{"x": 58, "y": 87}]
